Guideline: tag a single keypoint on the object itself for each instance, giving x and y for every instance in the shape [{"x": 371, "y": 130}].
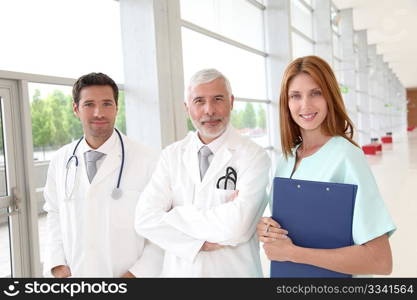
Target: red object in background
[
  {"x": 411, "y": 128},
  {"x": 377, "y": 145},
  {"x": 370, "y": 149},
  {"x": 386, "y": 139}
]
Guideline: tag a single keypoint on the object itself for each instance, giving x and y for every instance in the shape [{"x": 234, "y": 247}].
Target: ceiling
[{"x": 390, "y": 25}]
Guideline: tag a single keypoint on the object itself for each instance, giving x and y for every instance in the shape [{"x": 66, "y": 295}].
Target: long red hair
[{"x": 337, "y": 121}]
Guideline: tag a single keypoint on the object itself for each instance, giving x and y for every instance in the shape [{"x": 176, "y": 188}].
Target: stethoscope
[
  {"x": 117, "y": 191},
  {"x": 231, "y": 175}
]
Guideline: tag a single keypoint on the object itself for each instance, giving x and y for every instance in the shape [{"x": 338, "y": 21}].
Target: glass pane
[
  {"x": 236, "y": 19},
  {"x": 337, "y": 68},
  {"x": 42, "y": 230},
  {"x": 251, "y": 119},
  {"x": 5, "y": 262},
  {"x": 309, "y": 2},
  {"x": 247, "y": 79},
  {"x": 302, "y": 18},
  {"x": 62, "y": 38},
  {"x": 336, "y": 46},
  {"x": 300, "y": 46},
  {"x": 335, "y": 17},
  {"x": 3, "y": 177}
]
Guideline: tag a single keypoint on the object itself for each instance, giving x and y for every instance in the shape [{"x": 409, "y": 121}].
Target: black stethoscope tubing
[
  {"x": 123, "y": 159},
  {"x": 229, "y": 172}
]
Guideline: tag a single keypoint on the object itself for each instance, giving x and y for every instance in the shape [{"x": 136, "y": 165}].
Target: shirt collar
[
  {"x": 107, "y": 147},
  {"x": 216, "y": 144}
]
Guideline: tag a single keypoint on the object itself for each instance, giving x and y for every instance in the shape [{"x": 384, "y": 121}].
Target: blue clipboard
[{"x": 316, "y": 215}]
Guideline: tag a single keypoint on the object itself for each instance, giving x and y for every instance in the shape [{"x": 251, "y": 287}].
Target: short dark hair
[{"x": 93, "y": 79}]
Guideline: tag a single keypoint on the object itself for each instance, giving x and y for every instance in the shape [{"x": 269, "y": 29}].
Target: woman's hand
[
  {"x": 277, "y": 245},
  {"x": 280, "y": 249},
  {"x": 269, "y": 230}
]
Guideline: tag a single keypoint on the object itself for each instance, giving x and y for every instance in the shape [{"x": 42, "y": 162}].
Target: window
[
  {"x": 302, "y": 17},
  {"x": 5, "y": 263},
  {"x": 229, "y": 36},
  {"x": 251, "y": 120},
  {"x": 247, "y": 79},
  {"x": 302, "y": 28},
  {"x": 64, "y": 38},
  {"x": 228, "y": 18},
  {"x": 301, "y": 46},
  {"x": 337, "y": 44}
]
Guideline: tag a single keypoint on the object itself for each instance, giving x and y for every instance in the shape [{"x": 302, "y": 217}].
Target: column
[{"x": 151, "y": 38}]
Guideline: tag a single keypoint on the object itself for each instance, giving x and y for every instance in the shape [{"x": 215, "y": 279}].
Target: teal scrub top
[{"x": 340, "y": 161}]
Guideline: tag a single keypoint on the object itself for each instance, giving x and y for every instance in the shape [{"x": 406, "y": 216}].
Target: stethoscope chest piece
[{"x": 117, "y": 193}]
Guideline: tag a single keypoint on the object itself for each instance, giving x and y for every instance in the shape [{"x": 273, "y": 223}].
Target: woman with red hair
[{"x": 317, "y": 145}]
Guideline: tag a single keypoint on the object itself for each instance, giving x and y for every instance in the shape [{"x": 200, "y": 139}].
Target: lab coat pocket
[
  {"x": 223, "y": 196},
  {"x": 179, "y": 193}
]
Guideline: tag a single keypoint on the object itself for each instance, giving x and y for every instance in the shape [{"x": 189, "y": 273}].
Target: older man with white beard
[{"x": 207, "y": 193}]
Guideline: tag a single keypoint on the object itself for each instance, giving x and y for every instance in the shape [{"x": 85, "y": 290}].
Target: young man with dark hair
[{"x": 92, "y": 188}]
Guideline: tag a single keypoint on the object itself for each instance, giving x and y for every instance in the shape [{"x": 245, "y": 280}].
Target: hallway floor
[{"x": 396, "y": 173}]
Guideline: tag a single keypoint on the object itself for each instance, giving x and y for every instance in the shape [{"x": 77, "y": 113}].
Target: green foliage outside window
[
  {"x": 190, "y": 125},
  {"x": 248, "y": 117},
  {"x": 261, "y": 117}
]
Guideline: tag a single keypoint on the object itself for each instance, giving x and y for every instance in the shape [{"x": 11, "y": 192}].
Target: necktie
[
  {"x": 91, "y": 158},
  {"x": 203, "y": 155}
]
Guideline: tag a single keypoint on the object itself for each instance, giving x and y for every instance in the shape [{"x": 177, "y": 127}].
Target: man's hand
[
  {"x": 61, "y": 271},
  {"x": 234, "y": 195},
  {"x": 210, "y": 246},
  {"x": 128, "y": 275}
]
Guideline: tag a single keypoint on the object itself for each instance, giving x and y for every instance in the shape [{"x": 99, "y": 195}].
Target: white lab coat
[
  {"x": 91, "y": 232},
  {"x": 179, "y": 213}
]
